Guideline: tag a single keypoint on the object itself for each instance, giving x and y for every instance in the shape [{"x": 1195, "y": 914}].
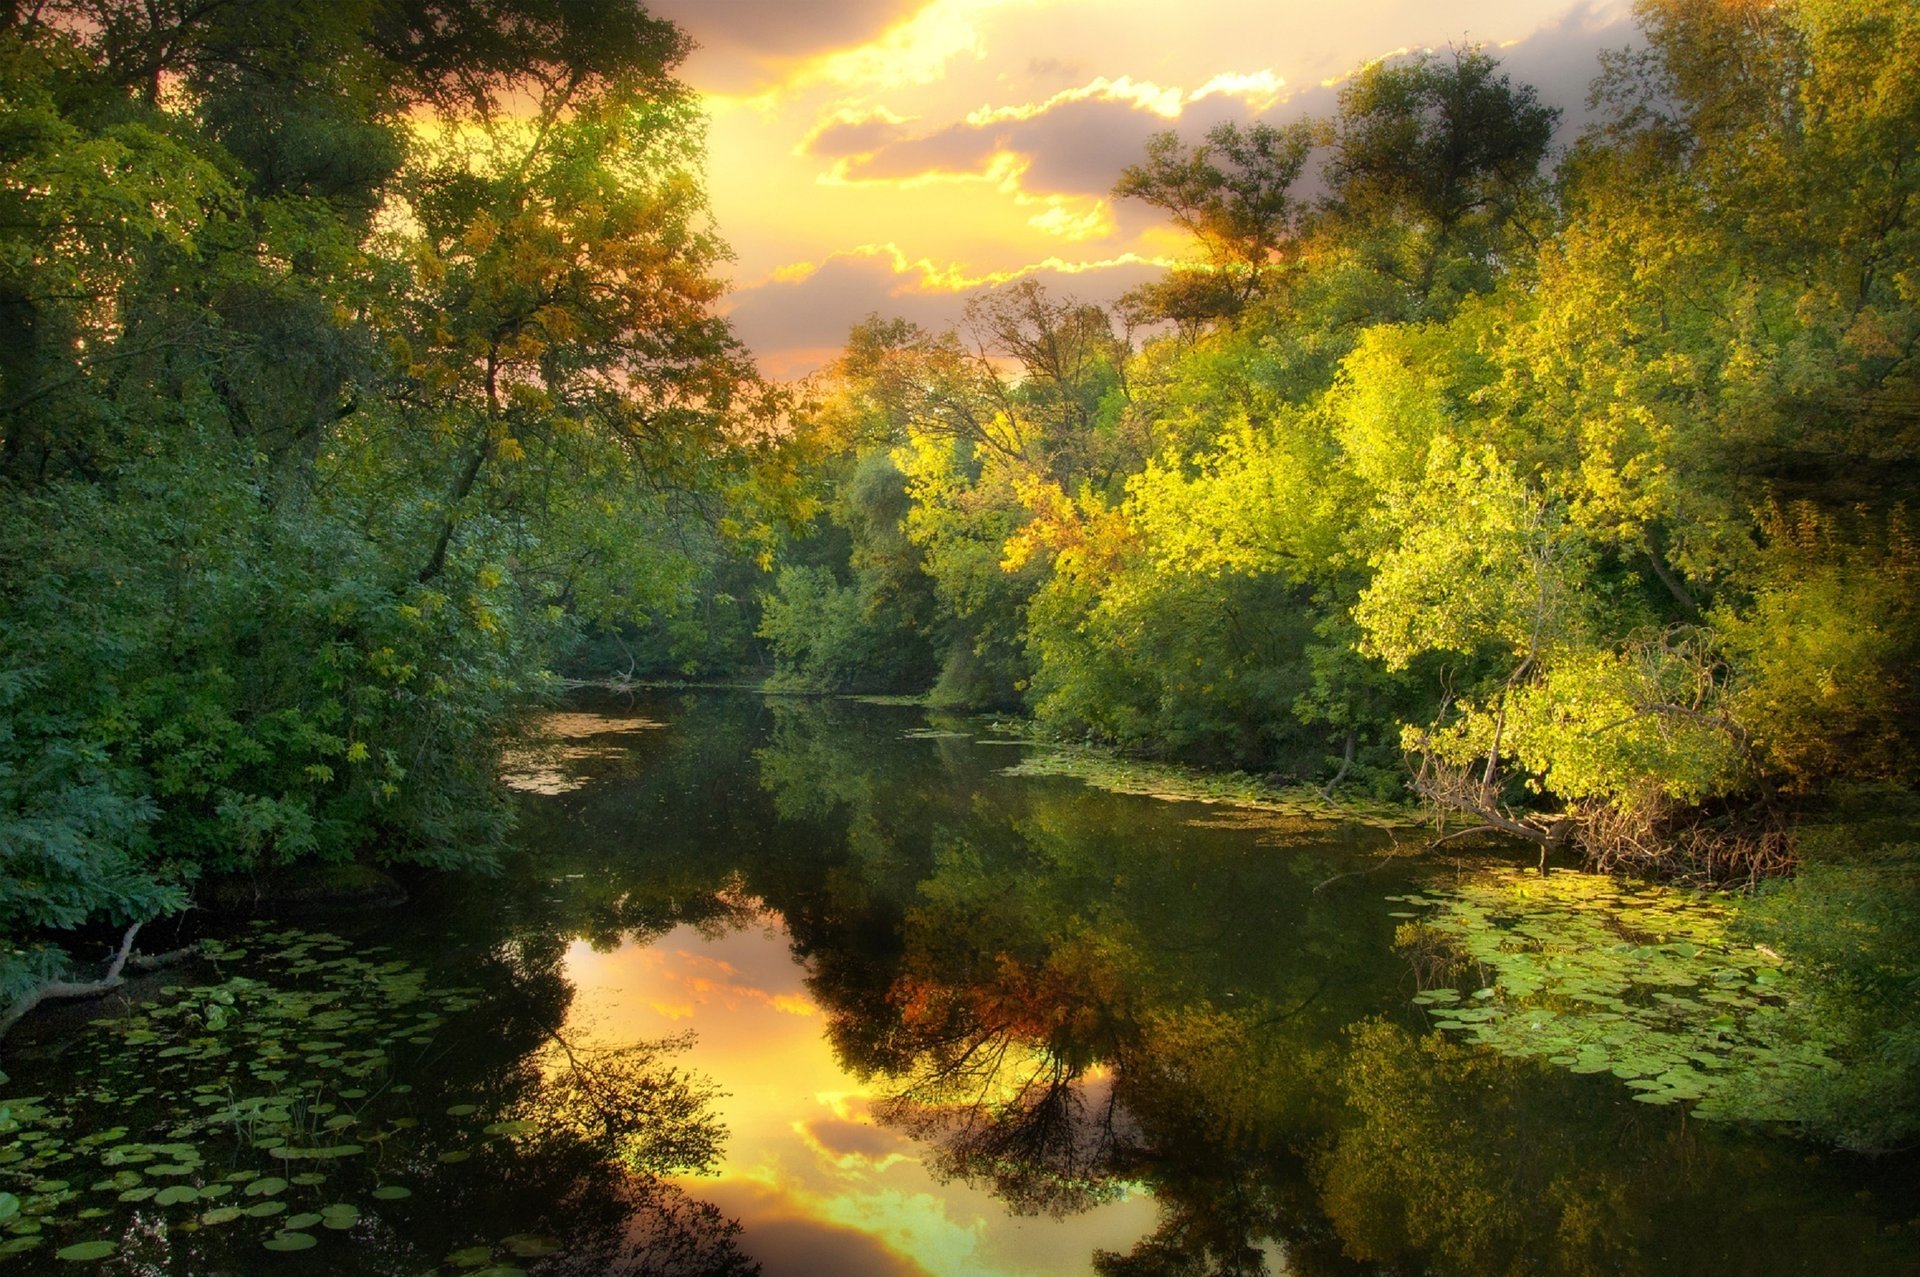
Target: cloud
[
  {"x": 1561, "y": 59},
  {"x": 844, "y": 136},
  {"x": 744, "y": 44},
  {"x": 1076, "y": 141}
]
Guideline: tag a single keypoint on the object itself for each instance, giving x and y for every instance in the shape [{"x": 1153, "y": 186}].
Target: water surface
[{"x": 952, "y": 1022}]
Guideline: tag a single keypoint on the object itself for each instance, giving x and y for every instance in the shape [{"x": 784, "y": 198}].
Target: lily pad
[
  {"x": 518, "y": 1126},
  {"x": 291, "y": 1241},
  {"x": 82, "y": 1252}
]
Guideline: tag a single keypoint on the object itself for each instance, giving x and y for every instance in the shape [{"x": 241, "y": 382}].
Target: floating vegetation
[
  {"x": 1597, "y": 976},
  {"x": 277, "y": 1111},
  {"x": 1175, "y": 783},
  {"x": 933, "y": 733},
  {"x": 887, "y": 700},
  {"x": 575, "y": 725},
  {"x": 230, "y": 1104}
]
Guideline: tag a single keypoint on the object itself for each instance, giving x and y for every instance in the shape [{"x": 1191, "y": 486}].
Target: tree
[
  {"x": 1436, "y": 161},
  {"x": 1234, "y": 194},
  {"x": 300, "y": 501}
]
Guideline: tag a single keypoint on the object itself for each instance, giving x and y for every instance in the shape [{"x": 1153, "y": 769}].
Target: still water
[{"x": 813, "y": 986}]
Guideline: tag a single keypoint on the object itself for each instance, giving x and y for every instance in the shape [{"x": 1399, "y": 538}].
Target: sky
[{"x": 898, "y": 156}]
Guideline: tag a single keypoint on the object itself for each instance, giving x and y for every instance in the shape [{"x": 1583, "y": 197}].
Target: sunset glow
[{"x": 897, "y": 156}]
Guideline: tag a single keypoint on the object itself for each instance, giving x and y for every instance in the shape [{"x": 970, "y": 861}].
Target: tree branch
[{"x": 112, "y": 979}]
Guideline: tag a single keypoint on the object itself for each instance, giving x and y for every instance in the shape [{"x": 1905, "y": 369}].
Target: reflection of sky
[{"x": 819, "y": 1187}]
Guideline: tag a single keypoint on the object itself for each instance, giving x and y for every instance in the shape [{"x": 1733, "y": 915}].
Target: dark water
[{"x": 952, "y": 1022}]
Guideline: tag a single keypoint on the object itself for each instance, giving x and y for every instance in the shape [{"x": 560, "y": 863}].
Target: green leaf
[
  {"x": 82, "y": 1252},
  {"x": 290, "y": 1241}
]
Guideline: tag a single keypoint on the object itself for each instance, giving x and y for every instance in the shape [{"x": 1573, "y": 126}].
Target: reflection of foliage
[
  {"x": 999, "y": 1079},
  {"x": 1642, "y": 982},
  {"x": 1165, "y": 1002},
  {"x": 1446, "y": 1156},
  {"x": 1851, "y": 923},
  {"x": 646, "y": 1116}
]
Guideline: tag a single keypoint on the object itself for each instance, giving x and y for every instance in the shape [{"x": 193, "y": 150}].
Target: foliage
[
  {"x": 1848, "y": 920},
  {"x": 336, "y": 397},
  {"x": 1233, "y": 194},
  {"x": 1585, "y": 491}
]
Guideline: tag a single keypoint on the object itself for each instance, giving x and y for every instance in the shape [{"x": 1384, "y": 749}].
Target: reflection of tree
[
  {"x": 631, "y": 1106},
  {"x": 584, "y": 1139},
  {"x": 1003, "y": 1092},
  {"x": 1450, "y": 1151},
  {"x": 656, "y": 1230}
]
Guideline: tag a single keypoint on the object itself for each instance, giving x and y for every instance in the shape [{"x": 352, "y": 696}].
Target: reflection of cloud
[
  {"x": 784, "y": 1234},
  {"x": 839, "y": 1138},
  {"x": 685, "y": 981},
  {"x": 813, "y": 1180}
]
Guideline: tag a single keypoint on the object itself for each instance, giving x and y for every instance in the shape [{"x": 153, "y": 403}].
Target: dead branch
[{"x": 110, "y": 980}]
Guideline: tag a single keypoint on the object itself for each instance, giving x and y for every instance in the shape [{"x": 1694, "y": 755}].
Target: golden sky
[{"x": 899, "y": 155}]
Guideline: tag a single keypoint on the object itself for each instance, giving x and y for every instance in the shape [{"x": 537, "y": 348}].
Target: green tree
[
  {"x": 1234, "y": 194},
  {"x": 353, "y": 354}
]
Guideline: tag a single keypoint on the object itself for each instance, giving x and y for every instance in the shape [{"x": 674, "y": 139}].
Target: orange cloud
[
  {"x": 1261, "y": 90},
  {"x": 686, "y": 980},
  {"x": 850, "y": 133}
]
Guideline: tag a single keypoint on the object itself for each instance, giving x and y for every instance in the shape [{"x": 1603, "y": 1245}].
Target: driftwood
[{"x": 123, "y": 958}]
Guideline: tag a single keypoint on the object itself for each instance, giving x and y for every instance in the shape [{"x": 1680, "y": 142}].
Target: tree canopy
[{"x": 353, "y": 357}]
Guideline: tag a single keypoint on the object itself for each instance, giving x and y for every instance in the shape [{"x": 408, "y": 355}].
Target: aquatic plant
[
  {"x": 304, "y": 1098},
  {"x": 1594, "y": 975}
]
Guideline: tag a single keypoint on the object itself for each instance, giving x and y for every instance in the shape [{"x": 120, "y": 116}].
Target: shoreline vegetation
[{"x": 1569, "y": 489}]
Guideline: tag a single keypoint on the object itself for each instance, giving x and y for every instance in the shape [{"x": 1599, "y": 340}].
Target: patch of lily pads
[
  {"x": 249, "y": 1102},
  {"x": 1646, "y": 984}
]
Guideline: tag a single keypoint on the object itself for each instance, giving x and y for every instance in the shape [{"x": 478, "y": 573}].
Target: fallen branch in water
[{"x": 112, "y": 979}]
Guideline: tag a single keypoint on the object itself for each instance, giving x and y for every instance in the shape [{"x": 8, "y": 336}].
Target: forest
[{"x": 362, "y": 373}]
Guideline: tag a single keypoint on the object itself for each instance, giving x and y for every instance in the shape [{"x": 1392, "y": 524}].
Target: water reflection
[
  {"x": 818, "y": 1178},
  {"x": 972, "y": 1024}
]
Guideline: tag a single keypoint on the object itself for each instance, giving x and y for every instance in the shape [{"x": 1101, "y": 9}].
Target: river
[{"x": 815, "y": 985}]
